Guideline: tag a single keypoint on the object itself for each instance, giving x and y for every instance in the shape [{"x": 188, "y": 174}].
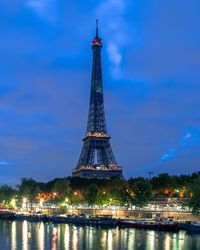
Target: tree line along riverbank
[{"x": 134, "y": 193}]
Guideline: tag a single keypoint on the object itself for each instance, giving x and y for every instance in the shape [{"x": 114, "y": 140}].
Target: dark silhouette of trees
[
  {"x": 6, "y": 194},
  {"x": 29, "y": 188},
  {"x": 141, "y": 192},
  {"x": 194, "y": 202},
  {"x": 91, "y": 194},
  {"x": 103, "y": 192}
]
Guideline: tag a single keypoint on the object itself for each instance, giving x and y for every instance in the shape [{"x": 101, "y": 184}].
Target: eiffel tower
[{"x": 97, "y": 159}]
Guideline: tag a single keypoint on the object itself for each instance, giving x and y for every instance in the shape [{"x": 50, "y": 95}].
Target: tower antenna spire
[{"x": 97, "y": 28}]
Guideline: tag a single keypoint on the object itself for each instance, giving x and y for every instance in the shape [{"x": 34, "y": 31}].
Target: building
[{"x": 97, "y": 159}]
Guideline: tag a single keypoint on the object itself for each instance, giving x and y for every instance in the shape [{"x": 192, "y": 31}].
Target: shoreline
[
  {"x": 117, "y": 213},
  {"x": 163, "y": 224}
]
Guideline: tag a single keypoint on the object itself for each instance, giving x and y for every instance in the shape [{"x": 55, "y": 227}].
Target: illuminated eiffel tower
[{"x": 97, "y": 159}]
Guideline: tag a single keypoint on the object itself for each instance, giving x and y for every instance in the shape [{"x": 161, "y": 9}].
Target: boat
[
  {"x": 44, "y": 218},
  {"x": 194, "y": 227},
  {"x": 84, "y": 220},
  {"x": 151, "y": 224},
  {"x": 169, "y": 225},
  {"x": 139, "y": 224},
  {"x": 32, "y": 217},
  {"x": 6, "y": 215},
  {"x": 183, "y": 225},
  {"x": 28, "y": 217}
]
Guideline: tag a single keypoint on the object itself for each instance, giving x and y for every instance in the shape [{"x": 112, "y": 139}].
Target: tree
[
  {"x": 7, "y": 193},
  {"x": 164, "y": 184},
  {"x": 91, "y": 194},
  {"x": 29, "y": 188},
  {"x": 62, "y": 187},
  {"x": 142, "y": 193},
  {"x": 194, "y": 202},
  {"x": 118, "y": 197}
]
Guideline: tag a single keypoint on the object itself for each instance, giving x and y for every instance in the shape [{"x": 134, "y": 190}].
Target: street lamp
[
  {"x": 24, "y": 203},
  {"x": 66, "y": 201}
]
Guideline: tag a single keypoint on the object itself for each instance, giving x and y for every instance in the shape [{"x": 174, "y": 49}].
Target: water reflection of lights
[
  {"x": 13, "y": 232},
  {"x": 151, "y": 240},
  {"x": 91, "y": 238},
  {"x": 41, "y": 236},
  {"x": 25, "y": 235},
  {"x": 125, "y": 236},
  {"x": 54, "y": 238},
  {"x": 167, "y": 242},
  {"x": 75, "y": 238},
  {"x": 178, "y": 240},
  {"x": 103, "y": 239},
  {"x": 110, "y": 240},
  {"x": 131, "y": 240},
  {"x": 67, "y": 237},
  {"x": 181, "y": 239}
]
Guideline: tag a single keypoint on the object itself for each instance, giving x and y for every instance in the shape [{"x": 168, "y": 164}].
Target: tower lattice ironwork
[{"x": 97, "y": 159}]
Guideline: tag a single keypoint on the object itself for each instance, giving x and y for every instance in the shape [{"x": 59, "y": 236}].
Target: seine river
[{"x": 24, "y": 235}]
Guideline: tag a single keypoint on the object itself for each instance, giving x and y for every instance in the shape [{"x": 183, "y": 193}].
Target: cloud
[
  {"x": 115, "y": 57},
  {"x": 191, "y": 138},
  {"x": 114, "y": 53},
  {"x": 169, "y": 155},
  {"x": 113, "y": 12},
  {"x": 5, "y": 163},
  {"x": 44, "y": 8}
]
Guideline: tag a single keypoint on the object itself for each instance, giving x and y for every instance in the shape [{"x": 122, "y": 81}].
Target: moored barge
[
  {"x": 155, "y": 225},
  {"x": 85, "y": 220},
  {"x": 194, "y": 227}
]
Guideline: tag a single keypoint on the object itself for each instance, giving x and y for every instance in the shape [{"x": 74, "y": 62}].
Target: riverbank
[
  {"x": 102, "y": 217},
  {"x": 137, "y": 214},
  {"x": 100, "y": 221},
  {"x": 157, "y": 223},
  {"x": 123, "y": 214}
]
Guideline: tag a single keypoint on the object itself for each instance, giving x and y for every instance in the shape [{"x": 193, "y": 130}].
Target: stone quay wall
[{"x": 137, "y": 214}]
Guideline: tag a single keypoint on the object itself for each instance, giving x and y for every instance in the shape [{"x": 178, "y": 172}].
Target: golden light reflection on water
[
  {"x": 90, "y": 234},
  {"x": 41, "y": 236},
  {"x": 67, "y": 237},
  {"x": 54, "y": 238},
  {"x": 181, "y": 240},
  {"x": 151, "y": 240},
  {"x": 110, "y": 240},
  {"x": 13, "y": 235},
  {"x": 131, "y": 239},
  {"x": 103, "y": 239},
  {"x": 25, "y": 235},
  {"x": 125, "y": 236},
  {"x": 75, "y": 238},
  {"x": 167, "y": 242}
]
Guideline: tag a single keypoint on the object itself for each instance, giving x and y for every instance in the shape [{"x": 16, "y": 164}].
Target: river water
[{"x": 38, "y": 236}]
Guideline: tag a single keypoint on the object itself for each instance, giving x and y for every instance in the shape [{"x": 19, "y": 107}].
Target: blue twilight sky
[{"x": 151, "y": 70}]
